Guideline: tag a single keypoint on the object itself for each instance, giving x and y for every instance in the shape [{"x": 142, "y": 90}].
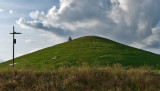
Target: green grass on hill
[{"x": 91, "y": 50}]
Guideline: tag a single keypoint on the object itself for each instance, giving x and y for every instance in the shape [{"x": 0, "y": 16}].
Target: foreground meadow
[{"x": 108, "y": 78}]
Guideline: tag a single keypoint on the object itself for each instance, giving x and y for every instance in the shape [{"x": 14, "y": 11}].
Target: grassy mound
[{"x": 91, "y": 50}]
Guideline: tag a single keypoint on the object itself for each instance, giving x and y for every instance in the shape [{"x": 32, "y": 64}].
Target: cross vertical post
[
  {"x": 13, "y": 46},
  {"x": 14, "y": 42}
]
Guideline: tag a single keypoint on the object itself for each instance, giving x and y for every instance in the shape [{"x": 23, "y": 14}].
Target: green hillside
[{"x": 91, "y": 50}]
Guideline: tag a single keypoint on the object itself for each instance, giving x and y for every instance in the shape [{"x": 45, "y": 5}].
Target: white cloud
[
  {"x": 127, "y": 21},
  {"x": 34, "y": 15},
  {"x": 1, "y": 10},
  {"x": 29, "y": 41},
  {"x": 11, "y": 11}
]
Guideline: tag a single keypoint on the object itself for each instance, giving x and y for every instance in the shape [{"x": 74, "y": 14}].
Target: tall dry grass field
[{"x": 109, "y": 78}]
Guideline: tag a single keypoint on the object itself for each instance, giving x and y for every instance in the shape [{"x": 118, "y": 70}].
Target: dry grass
[{"x": 110, "y": 78}]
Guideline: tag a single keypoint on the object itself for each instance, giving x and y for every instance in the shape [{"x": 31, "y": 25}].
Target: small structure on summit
[{"x": 69, "y": 39}]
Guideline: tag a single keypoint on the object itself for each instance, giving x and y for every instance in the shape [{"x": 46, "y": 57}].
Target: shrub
[{"x": 109, "y": 78}]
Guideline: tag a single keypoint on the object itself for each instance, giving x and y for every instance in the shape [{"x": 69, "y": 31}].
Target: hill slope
[{"x": 91, "y": 50}]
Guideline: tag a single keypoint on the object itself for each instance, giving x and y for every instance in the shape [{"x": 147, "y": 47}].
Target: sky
[{"x": 45, "y": 23}]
